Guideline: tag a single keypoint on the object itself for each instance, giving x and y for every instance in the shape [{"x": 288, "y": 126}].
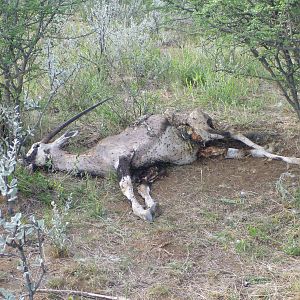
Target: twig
[
  {"x": 8, "y": 255},
  {"x": 72, "y": 37},
  {"x": 26, "y": 273},
  {"x": 42, "y": 257},
  {"x": 80, "y": 293}
]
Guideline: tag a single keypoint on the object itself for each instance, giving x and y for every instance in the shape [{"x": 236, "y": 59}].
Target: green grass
[
  {"x": 257, "y": 239},
  {"x": 293, "y": 248},
  {"x": 242, "y": 246},
  {"x": 257, "y": 280},
  {"x": 196, "y": 71},
  {"x": 257, "y": 233},
  {"x": 159, "y": 291},
  {"x": 35, "y": 185},
  {"x": 86, "y": 193},
  {"x": 89, "y": 198}
]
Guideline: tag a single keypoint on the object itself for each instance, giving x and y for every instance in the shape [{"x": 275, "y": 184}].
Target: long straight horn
[{"x": 50, "y": 135}]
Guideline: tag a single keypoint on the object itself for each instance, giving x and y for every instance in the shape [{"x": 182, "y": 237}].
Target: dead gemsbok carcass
[{"x": 173, "y": 137}]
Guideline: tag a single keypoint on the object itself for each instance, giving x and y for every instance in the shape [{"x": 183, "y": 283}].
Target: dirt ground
[{"x": 224, "y": 232}]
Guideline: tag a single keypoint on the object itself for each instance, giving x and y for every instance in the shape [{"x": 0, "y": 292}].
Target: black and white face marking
[
  {"x": 32, "y": 154},
  {"x": 209, "y": 122},
  {"x": 37, "y": 156}
]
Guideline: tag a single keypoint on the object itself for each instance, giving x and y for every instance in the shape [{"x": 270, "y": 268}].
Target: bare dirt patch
[{"x": 221, "y": 235}]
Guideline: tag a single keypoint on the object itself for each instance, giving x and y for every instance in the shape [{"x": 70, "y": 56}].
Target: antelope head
[
  {"x": 196, "y": 126},
  {"x": 40, "y": 152}
]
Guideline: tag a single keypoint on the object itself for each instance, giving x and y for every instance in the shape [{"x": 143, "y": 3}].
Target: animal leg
[
  {"x": 61, "y": 141},
  {"x": 232, "y": 153},
  {"x": 123, "y": 171},
  {"x": 236, "y": 153},
  {"x": 259, "y": 151},
  {"x": 144, "y": 191}
]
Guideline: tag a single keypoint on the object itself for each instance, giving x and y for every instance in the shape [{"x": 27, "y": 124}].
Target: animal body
[{"x": 173, "y": 137}]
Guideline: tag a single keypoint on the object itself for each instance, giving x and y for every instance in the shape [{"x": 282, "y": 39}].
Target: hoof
[
  {"x": 149, "y": 215},
  {"x": 144, "y": 214},
  {"x": 154, "y": 208}
]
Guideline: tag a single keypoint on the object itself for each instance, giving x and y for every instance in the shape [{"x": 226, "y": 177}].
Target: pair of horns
[{"x": 54, "y": 132}]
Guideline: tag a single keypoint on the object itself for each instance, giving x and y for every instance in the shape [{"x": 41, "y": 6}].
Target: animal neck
[{"x": 83, "y": 163}]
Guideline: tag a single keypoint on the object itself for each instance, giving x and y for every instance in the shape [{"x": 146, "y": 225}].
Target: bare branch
[
  {"x": 42, "y": 257},
  {"x": 79, "y": 293},
  {"x": 266, "y": 65},
  {"x": 26, "y": 270},
  {"x": 8, "y": 255}
]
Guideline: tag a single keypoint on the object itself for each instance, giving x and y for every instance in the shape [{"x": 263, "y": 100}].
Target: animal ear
[
  {"x": 61, "y": 141},
  {"x": 169, "y": 114},
  {"x": 71, "y": 133}
]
